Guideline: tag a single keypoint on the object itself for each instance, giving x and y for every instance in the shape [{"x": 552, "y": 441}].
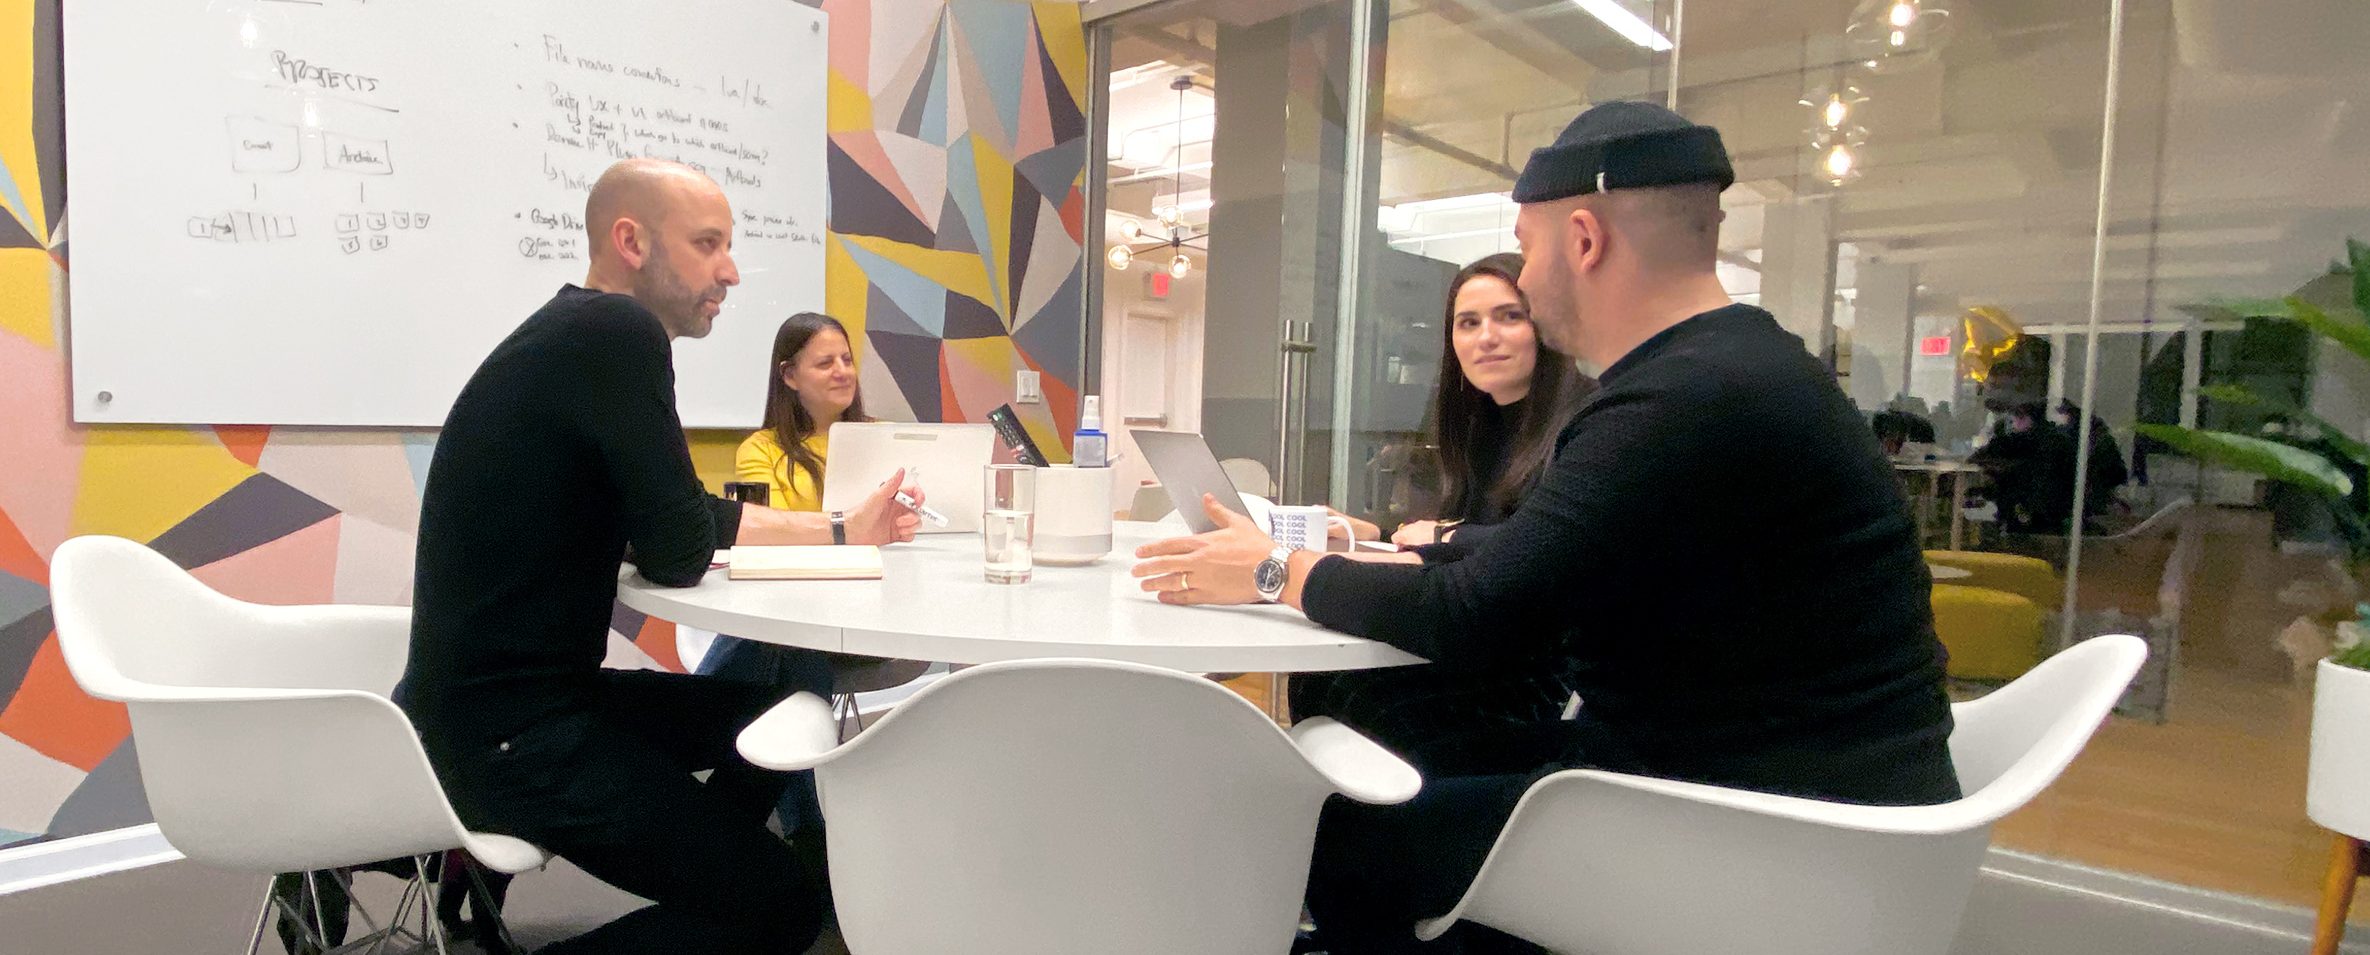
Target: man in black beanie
[{"x": 1719, "y": 565}]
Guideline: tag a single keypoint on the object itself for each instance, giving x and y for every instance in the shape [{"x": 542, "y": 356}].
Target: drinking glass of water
[{"x": 1008, "y": 522}]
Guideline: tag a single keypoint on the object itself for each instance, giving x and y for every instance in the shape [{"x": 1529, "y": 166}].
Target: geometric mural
[
  {"x": 957, "y": 160},
  {"x": 957, "y": 153}
]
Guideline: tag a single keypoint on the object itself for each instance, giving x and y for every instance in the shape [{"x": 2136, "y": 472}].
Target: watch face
[{"x": 1269, "y": 576}]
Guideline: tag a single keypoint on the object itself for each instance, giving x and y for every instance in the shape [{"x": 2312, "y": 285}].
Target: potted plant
[{"x": 2319, "y": 457}]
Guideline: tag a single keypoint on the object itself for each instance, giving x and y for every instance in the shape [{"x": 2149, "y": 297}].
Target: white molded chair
[
  {"x": 1249, "y": 476},
  {"x": 1609, "y": 864},
  {"x": 1072, "y": 807},
  {"x": 266, "y": 738}
]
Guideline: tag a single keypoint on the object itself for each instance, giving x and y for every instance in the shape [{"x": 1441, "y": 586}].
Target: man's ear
[
  {"x": 1584, "y": 239},
  {"x": 630, "y": 240}
]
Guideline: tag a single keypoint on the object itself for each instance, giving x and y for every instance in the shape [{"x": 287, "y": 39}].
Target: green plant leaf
[
  {"x": 2357, "y": 533},
  {"x": 2350, "y": 331},
  {"x": 2271, "y": 459},
  {"x": 2238, "y": 395},
  {"x": 2238, "y": 309},
  {"x": 2233, "y": 394},
  {"x": 2357, "y": 657},
  {"x": 2357, "y": 253}
]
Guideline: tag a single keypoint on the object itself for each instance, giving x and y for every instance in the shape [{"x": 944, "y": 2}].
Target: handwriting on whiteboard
[{"x": 588, "y": 109}]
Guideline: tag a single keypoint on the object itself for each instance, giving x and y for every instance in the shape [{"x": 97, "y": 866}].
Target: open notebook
[{"x": 849, "y": 562}]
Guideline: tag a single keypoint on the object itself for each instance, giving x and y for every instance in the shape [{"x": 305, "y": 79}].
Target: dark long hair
[
  {"x": 785, "y": 415},
  {"x": 1457, "y": 407}
]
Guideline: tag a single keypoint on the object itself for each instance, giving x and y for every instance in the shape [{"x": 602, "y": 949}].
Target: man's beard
[{"x": 676, "y": 304}]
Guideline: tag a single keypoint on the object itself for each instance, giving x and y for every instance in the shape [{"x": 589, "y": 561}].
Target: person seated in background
[
  {"x": 1798, "y": 657},
  {"x": 1897, "y": 428},
  {"x": 2108, "y": 472},
  {"x": 562, "y": 457},
  {"x": 2031, "y": 466},
  {"x": 810, "y": 385},
  {"x": 1496, "y": 409}
]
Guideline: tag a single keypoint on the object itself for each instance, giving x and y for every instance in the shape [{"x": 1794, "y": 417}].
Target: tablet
[
  {"x": 945, "y": 460},
  {"x": 1187, "y": 470}
]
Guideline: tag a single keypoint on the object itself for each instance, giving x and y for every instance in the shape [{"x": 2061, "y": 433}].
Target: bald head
[
  {"x": 662, "y": 232},
  {"x": 645, "y": 191}
]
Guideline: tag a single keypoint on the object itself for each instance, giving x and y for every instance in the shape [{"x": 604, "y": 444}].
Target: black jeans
[
  {"x": 610, "y": 789},
  {"x": 787, "y": 671},
  {"x": 1380, "y": 869}
]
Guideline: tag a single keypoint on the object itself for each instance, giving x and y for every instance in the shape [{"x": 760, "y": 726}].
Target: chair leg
[
  {"x": 482, "y": 897},
  {"x": 2337, "y": 894},
  {"x": 843, "y": 707},
  {"x": 430, "y": 927},
  {"x": 312, "y": 884},
  {"x": 413, "y": 890},
  {"x": 346, "y": 880},
  {"x": 263, "y": 916}
]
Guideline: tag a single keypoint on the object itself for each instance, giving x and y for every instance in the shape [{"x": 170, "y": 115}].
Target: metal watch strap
[{"x": 1282, "y": 558}]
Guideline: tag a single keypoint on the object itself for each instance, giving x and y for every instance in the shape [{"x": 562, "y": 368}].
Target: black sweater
[
  {"x": 1722, "y": 566},
  {"x": 563, "y": 449}
]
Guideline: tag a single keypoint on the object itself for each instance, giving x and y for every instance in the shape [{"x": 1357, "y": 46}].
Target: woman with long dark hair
[
  {"x": 1501, "y": 398},
  {"x": 813, "y": 386}
]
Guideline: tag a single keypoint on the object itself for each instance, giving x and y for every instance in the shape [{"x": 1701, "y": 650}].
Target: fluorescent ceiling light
[
  {"x": 1457, "y": 203},
  {"x": 1629, "y": 25},
  {"x": 1504, "y": 230}
]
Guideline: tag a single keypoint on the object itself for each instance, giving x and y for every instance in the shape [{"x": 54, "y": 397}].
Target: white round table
[{"x": 934, "y": 603}]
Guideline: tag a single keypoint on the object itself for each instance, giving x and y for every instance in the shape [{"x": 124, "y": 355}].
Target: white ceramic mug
[
  {"x": 1303, "y": 526},
  {"x": 1073, "y": 515}
]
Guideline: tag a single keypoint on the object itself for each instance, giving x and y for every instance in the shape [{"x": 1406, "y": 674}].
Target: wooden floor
[{"x": 2214, "y": 797}]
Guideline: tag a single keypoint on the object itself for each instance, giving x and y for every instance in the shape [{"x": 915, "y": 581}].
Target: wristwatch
[
  {"x": 1271, "y": 574},
  {"x": 839, "y": 527}
]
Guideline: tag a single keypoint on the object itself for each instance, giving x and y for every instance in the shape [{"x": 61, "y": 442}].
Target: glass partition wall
[{"x": 1995, "y": 220}]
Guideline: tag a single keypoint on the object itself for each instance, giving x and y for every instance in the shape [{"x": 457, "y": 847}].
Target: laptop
[
  {"x": 1187, "y": 470},
  {"x": 945, "y": 460}
]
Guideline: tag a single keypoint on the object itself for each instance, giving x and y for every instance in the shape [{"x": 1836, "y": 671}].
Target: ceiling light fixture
[
  {"x": 1623, "y": 21},
  {"x": 1892, "y": 36},
  {"x": 1172, "y": 231},
  {"x": 1839, "y": 165}
]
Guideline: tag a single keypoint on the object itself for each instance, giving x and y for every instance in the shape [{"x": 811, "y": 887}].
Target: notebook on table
[{"x": 823, "y": 562}]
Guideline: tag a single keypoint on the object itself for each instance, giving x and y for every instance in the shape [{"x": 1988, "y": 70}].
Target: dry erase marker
[{"x": 927, "y": 512}]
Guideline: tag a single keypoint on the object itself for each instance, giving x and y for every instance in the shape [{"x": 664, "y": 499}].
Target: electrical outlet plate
[{"x": 1026, "y": 388}]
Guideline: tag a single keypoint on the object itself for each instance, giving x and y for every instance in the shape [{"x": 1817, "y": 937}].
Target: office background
[{"x": 957, "y": 149}]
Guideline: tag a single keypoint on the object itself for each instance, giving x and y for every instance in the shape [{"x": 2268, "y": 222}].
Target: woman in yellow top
[{"x": 813, "y": 387}]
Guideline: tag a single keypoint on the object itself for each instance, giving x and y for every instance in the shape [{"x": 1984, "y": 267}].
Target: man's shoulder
[{"x": 584, "y": 315}]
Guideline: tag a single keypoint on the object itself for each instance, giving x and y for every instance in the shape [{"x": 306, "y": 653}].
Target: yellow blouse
[{"x": 789, "y": 486}]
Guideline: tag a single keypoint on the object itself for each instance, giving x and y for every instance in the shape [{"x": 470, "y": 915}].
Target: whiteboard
[{"x": 327, "y": 212}]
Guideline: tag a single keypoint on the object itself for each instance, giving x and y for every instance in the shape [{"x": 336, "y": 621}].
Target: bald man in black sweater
[{"x": 562, "y": 457}]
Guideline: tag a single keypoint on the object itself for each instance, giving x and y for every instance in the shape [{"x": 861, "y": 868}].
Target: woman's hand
[
  {"x": 880, "y": 519},
  {"x": 1359, "y": 530},
  {"x": 1418, "y": 533}
]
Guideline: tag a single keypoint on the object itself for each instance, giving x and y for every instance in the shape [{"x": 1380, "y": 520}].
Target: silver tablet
[{"x": 1187, "y": 470}]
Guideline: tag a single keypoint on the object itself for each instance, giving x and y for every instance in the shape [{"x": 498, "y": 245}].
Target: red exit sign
[
  {"x": 1160, "y": 284},
  {"x": 1934, "y": 347}
]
